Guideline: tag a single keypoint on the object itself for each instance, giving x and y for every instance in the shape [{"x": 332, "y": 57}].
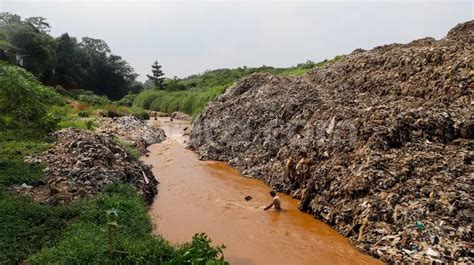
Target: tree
[
  {"x": 39, "y": 23},
  {"x": 88, "y": 64},
  {"x": 158, "y": 75},
  {"x": 68, "y": 69}
]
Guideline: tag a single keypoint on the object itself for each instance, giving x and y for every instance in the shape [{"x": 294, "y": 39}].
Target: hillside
[
  {"x": 191, "y": 94},
  {"x": 378, "y": 144}
]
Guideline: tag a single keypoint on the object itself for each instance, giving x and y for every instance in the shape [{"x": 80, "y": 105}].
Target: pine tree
[{"x": 158, "y": 75}]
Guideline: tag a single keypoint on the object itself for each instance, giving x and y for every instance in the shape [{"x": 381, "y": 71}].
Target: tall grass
[{"x": 188, "y": 101}]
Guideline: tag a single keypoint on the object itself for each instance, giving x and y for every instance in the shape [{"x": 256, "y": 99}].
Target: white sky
[{"x": 190, "y": 37}]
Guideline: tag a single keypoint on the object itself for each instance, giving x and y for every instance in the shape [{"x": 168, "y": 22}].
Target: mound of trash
[
  {"x": 135, "y": 131},
  {"x": 80, "y": 163},
  {"x": 378, "y": 144}
]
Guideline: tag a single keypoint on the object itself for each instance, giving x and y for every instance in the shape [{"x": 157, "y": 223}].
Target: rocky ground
[
  {"x": 378, "y": 144},
  {"x": 80, "y": 163},
  {"x": 178, "y": 115}
]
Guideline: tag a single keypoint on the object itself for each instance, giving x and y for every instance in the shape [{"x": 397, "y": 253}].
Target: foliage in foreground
[{"x": 87, "y": 241}]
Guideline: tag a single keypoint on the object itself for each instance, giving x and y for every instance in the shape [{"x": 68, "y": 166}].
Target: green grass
[
  {"x": 131, "y": 151},
  {"x": 14, "y": 146},
  {"x": 26, "y": 227}
]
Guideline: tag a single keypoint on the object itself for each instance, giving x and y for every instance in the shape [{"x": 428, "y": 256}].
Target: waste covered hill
[
  {"x": 378, "y": 144},
  {"x": 82, "y": 163}
]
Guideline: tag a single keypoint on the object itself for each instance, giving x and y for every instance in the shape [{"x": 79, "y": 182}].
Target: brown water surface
[{"x": 206, "y": 196}]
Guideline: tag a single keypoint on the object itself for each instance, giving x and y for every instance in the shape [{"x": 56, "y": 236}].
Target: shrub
[
  {"x": 94, "y": 99},
  {"x": 127, "y": 100},
  {"x": 24, "y": 101},
  {"x": 83, "y": 114},
  {"x": 87, "y": 96}
]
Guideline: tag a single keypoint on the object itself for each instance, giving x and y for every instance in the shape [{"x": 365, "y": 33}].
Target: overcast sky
[{"x": 190, "y": 37}]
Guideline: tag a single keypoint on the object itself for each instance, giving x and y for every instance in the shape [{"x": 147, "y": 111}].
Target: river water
[{"x": 207, "y": 196}]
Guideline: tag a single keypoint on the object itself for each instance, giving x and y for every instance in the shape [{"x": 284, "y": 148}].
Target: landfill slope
[{"x": 378, "y": 144}]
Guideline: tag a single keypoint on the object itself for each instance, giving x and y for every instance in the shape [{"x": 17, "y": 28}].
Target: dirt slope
[{"x": 378, "y": 144}]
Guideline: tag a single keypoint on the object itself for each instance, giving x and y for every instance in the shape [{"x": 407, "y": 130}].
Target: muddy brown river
[{"x": 207, "y": 196}]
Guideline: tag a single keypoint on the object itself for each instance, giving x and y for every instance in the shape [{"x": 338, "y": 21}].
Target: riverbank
[
  {"x": 207, "y": 196},
  {"x": 377, "y": 144}
]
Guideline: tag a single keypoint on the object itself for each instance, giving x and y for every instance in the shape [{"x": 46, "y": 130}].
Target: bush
[
  {"x": 94, "y": 100},
  {"x": 199, "y": 251},
  {"x": 83, "y": 114},
  {"x": 24, "y": 101},
  {"x": 87, "y": 96},
  {"x": 127, "y": 100}
]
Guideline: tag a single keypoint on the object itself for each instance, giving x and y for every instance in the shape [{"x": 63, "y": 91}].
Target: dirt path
[{"x": 198, "y": 196}]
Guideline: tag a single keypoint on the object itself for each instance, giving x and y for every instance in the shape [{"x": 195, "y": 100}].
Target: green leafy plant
[
  {"x": 200, "y": 252},
  {"x": 24, "y": 101}
]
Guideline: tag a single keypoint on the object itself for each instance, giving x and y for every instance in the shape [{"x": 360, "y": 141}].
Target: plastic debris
[{"x": 388, "y": 134}]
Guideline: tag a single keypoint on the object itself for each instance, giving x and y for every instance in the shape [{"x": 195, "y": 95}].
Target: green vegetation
[
  {"x": 80, "y": 232},
  {"x": 191, "y": 94},
  {"x": 131, "y": 151},
  {"x": 127, "y": 100},
  {"x": 188, "y": 101},
  {"x": 88, "y": 63},
  {"x": 25, "y": 227},
  {"x": 157, "y": 77},
  {"x": 23, "y": 100},
  {"x": 87, "y": 241},
  {"x": 88, "y": 97}
]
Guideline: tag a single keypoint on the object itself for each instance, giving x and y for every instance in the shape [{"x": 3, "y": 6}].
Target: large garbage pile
[
  {"x": 135, "y": 131},
  {"x": 81, "y": 163},
  {"x": 378, "y": 144}
]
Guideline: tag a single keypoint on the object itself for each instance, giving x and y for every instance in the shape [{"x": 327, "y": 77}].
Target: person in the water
[{"x": 276, "y": 203}]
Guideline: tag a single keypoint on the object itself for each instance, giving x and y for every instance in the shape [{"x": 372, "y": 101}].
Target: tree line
[{"x": 87, "y": 63}]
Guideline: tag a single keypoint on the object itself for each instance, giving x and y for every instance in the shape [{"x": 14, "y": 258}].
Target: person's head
[{"x": 273, "y": 193}]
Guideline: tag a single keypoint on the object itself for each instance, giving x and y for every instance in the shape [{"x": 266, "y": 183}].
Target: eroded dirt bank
[
  {"x": 378, "y": 144},
  {"x": 197, "y": 196}
]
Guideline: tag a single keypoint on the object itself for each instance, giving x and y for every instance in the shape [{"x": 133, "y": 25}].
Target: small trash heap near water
[
  {"x": 378, "y": 144},
  {"x": 135, "y": 131},
  {"x": 80, "y": 163}
]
